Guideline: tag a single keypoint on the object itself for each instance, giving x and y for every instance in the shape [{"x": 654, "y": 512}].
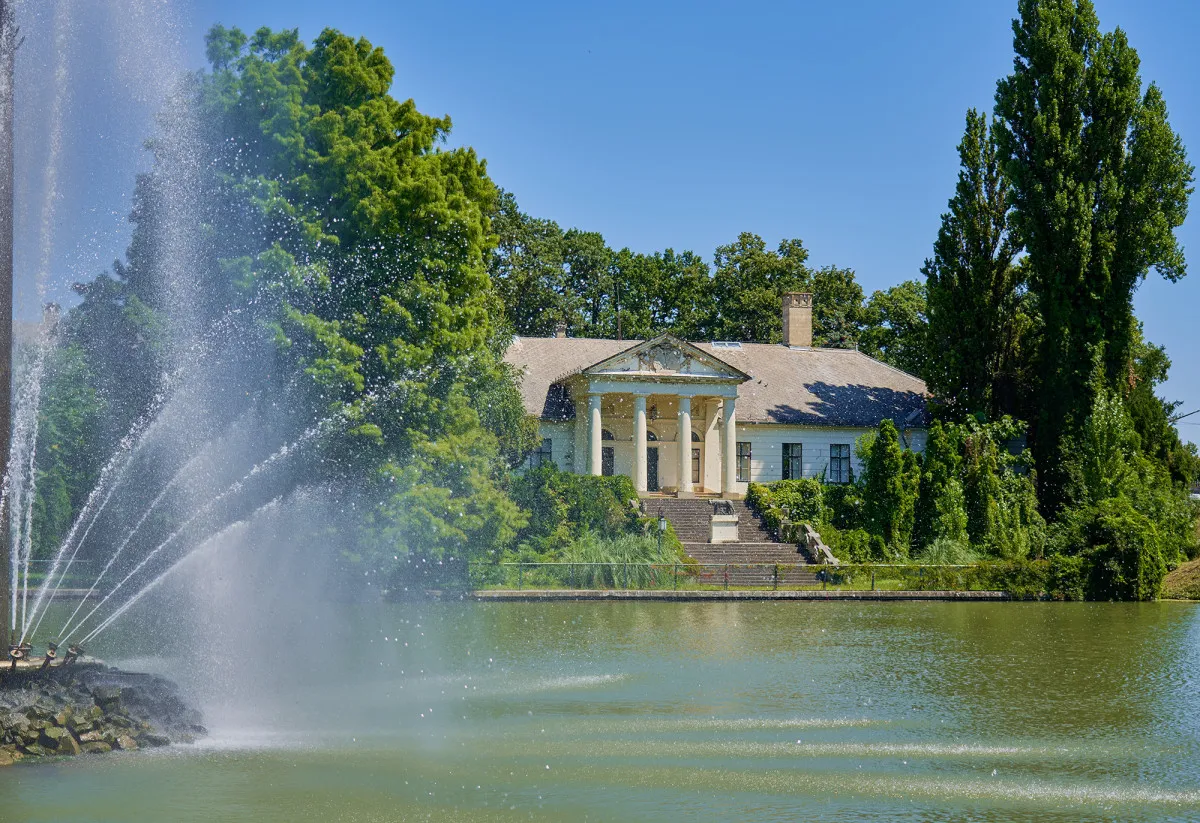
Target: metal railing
[
  {"x": 725, "y": 576},
  {"x": 81, "y": 573}
]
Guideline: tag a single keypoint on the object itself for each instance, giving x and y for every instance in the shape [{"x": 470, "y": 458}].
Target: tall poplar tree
[
  {"x": 972, "y": 282},
  {"x": 1099, "y": 183}
]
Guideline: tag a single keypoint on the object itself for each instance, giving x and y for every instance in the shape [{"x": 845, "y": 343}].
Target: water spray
[{"x": 203, "y": 511}]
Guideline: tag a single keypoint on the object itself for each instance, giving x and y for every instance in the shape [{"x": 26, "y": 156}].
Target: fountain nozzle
[
  {"x": 51, "y": 653},
  {"x": 18, "y": 652},
  {"x": 73, "y": 651}
]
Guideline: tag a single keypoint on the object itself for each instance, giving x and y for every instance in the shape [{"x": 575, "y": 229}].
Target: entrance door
[
  {"x": 696, "y": 467},
  {"x": 608, "y": 459},
  {"x": 652, "y": 468}
]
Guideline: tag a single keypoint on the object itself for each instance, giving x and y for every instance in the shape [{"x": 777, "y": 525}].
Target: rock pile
[{"x": 89, "y": 709}]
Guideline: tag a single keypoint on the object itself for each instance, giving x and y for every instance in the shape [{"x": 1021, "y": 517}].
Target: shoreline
[{"x": 499, "y": 595}]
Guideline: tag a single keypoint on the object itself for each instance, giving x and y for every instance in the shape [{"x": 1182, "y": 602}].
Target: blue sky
[{"x": 681, "y": 125}]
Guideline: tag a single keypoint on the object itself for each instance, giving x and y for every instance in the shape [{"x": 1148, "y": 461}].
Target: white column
[
  {"x": 639, "y": 442},
  {"x": 685, "y": 447},
  {"x": 595, "y": 454},
  {"x": 729, "y": 452}
]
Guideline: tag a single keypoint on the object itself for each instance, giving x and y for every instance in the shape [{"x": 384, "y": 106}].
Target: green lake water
[{"x": 671, "y": 711}]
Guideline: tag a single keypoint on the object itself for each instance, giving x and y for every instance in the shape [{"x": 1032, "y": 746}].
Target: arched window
[
  {"x": 695, "y": 437},
  {"x": 651, "y": 436},
  {"x": 605, "y": 434}
]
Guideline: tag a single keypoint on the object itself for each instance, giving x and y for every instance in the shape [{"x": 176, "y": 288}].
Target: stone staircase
[{"x": 751, "y": 561}]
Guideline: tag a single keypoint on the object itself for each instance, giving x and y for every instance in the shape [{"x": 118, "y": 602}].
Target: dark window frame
[
  {"x": 839, "y": 463},
  {"x": 793, "y": 461},
  {"x": 744, "y": 456},
  {"x": 542, "y": 454}
]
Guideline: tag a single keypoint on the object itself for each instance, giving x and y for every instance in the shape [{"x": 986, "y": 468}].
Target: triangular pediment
[{"x": 666, "y": 357}]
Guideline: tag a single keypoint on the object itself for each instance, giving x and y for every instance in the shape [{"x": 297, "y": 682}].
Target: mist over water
[{"x": 646, "y": 711}]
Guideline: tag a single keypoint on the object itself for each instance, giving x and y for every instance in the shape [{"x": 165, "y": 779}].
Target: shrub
[
  {"x": 618, "y": 561},
  {"x": 802, "y": 500},
  {"x": 1124, "y": 558},
  {"x": 946, "y": 551},
  {"x": 563, "y": 506},
  {"x": 1065, "y": 578},
  {"x": 852, "y": 545},
  {"x": 844, "y": 506}
]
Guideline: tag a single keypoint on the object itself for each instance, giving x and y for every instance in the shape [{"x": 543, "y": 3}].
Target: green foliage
[
  {"x": 801, "y": 499},
  {"x": 974, "y": 288},
  {"x": 844, "y": 506},
  {"x": 935, "y": 510},
  {"x": 748, "y": 280},
  {"x": 72, "y": 413},
  {"x": 606, "y": 559},
  {"x": 896, "y": 327},
  {"x": 891, "y": 480},
  {"x": 853, "y": 545},
  {"x": 563, "y": 506},
  {"x": 981, "y": 485},
  {"x": 947, "y": 551},
  {"x": 1020, "y": 530},
  {"x": 1057, "y": 579},
  {"x": 1099, "y": 184},
  {"x": 1151, "y": 416},
  {"x": 1124, "y": 558}
]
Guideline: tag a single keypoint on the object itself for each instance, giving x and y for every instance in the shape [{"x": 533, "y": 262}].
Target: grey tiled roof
[{"x": 829, "y": 387}]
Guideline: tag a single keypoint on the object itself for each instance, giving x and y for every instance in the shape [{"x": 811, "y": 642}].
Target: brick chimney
[
  {"x": 797, "y": 319},
  {"x": 560, "y": 330}
]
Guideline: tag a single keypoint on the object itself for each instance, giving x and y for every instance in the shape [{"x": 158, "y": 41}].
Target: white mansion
[{"x": 707, "y": 418}]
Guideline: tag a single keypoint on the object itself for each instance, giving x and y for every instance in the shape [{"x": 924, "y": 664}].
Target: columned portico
[
  {"x": 595, "y": 433},
  {"x": 649, "y": 397},
  {"x": 685, "y": 446},
  {"x": 639, "y": 442},
  {"x": 729, "y": 447}
]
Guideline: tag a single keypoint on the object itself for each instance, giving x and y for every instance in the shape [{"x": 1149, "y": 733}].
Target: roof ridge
[{"x": 893, "y": 368}]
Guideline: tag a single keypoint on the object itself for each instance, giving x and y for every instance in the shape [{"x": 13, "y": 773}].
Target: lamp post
[{"x": 662, "y": 529}]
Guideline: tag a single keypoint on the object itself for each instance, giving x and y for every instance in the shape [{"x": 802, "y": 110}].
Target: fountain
[{"x": 188, "y": 467}]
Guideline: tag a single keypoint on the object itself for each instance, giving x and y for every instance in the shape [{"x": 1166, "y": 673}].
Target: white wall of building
[{"x": 569, "y": 446}]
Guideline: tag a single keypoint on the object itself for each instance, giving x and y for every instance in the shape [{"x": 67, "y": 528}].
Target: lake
[{"x": 667, "y": 712}]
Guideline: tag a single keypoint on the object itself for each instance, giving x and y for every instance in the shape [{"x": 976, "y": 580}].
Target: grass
[{"x": 1183, "y": 583}]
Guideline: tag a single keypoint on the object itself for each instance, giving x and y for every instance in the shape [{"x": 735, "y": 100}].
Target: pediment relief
[{"x": 665, "y": 357}]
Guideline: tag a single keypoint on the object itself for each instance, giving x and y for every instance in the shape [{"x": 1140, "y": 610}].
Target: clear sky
[{"x": 681, "y": 125}]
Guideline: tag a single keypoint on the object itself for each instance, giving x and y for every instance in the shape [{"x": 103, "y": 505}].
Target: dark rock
[
  {"x": 51, "y": 736},
  {"x": 68, "y": 745},
  {"x": 108, "y": 698},
  {"x": 90, "y": 708}
]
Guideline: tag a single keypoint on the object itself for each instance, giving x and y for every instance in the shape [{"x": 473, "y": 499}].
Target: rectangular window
[
  {"x": 543, "y": 454},
  {"x": 743, "y": 462},
  {"x": 793, "y": 461},
  {"x": 608, "y": 459},
  {"x": 839, "y": 463}
]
